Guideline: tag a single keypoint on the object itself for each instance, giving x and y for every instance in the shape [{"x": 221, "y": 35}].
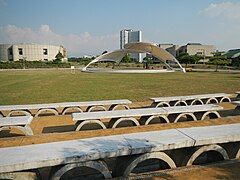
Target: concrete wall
[{"x": 30, "y": 52}]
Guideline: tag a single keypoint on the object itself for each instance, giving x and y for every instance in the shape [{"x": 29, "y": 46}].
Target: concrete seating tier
[
  {"x": 123, "y": 153},
  {"x": 66, "y": 106},
  {"x": 164, "y": 114},
  {"x": 21, "y": 123},
  {"x": 190, "y": 100}
]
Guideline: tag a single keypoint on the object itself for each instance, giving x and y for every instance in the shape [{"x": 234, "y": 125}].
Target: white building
[
  {"x": 130, "y": 36},
  {"x": 30, "y": 52}
]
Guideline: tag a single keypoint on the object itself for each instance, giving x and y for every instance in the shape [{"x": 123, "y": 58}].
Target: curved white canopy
[{"x": 139, "y": 47}]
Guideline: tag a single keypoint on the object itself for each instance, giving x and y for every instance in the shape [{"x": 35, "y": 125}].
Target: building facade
[
  {"x": 30, "y": 52},
  {"x": 190, "y": 48},
  {"x": 130, "y": 36}
]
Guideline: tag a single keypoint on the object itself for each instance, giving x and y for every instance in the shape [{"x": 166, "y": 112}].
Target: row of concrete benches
[
  {"x": 119, "y": 155},
  {"x": 146, "y": 115},
  {"x": 112, "y": 104},
  {"x": 65, "y": 106}
]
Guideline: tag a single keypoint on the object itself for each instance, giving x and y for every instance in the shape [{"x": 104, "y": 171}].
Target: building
[
  {"x": 130, "y": 36},
  {"x": 30, "y": 52},
  {"x": 171, "y": 48},
  {"x": 190, "y": 48},
  {"x": 197, "y": 49}
]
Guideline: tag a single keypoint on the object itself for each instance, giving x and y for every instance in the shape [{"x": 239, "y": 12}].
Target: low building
[
  {"x": 30, "y": 52},
  {"x": 197, "y": 49}
]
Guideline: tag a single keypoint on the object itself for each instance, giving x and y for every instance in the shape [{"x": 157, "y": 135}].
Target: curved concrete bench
[
  {"x": 21, "y": 123},
  {"x": 168, "y": 114},
  {"x": 66, "y": 106},
  {"x": 190, "y": 100},
  {"x": 135, "y": 148}
]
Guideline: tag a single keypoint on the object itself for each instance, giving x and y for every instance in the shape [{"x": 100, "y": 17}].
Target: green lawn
[{"x": 45, "y": 86}]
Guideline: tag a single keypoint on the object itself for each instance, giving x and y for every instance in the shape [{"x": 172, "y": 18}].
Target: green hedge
[{"x": 33, "y": 64}]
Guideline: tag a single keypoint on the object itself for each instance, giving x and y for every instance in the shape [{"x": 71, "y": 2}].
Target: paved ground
[{"x": 225, "y": 170}]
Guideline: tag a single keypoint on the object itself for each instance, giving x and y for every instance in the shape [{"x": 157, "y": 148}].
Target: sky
[{"x": 89, "y": 27}]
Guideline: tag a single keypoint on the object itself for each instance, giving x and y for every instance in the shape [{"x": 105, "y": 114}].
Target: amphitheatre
[
  {"x": 165, "y": 57},
  {"x": 58, "y": 125}
]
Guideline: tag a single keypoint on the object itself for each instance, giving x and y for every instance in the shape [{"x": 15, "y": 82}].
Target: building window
[
  {"x": 45, "y": 59},
  {"x": 45, "y": 51},
  {"x": 20, "y": 51}
]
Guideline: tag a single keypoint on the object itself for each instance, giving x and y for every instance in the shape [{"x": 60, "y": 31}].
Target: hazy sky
[{"x": 88, "y": 27}]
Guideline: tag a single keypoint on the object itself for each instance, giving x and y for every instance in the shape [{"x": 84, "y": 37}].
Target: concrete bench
[
  {"x": 21, "y": 123},
  {"x": 190, "y": 100},
  {"x": 66, "y": 106},
  {"x": 238, "y": 95},
  {"x": 131, "y": 150},
  {"x": 167, "y": 114}
]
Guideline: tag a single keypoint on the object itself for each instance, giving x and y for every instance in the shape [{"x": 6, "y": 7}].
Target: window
[
  {"x": 45, "y": 51},
  {"x": 45, "y": 59},
  {"x": 20, "y": 51}
]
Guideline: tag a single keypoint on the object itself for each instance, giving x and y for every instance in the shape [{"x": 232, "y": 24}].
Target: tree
[
  {"x": 126, "y": 59},
  {"x": 147, "y": 61},
  {"x": 186, "y": 59},
  {"x": 219, "y": 60},
  {"x": 58, "y": 57}
]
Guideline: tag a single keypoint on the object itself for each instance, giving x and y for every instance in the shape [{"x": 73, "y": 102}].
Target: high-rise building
[{"x": 130, "y": 36}]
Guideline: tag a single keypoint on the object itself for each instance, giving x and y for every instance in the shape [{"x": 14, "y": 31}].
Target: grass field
[{"x": 46, "y": 86}]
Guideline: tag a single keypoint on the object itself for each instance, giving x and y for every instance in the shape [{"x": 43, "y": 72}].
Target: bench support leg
[
  {"x": 163, "y": 104},
  {"x": 115, "y": 106},
  {"x": 81, "y": 124},
  {"x": 91, "y": 108},
  {"x": 52, "y": 110},
  {"x": 25, "y": 112},
  {"x": 211, "y": 114},
  {"x": 66, "y": 109},
  {"x": 96, "y": 165},
  {"x": 114, "y": 122}
]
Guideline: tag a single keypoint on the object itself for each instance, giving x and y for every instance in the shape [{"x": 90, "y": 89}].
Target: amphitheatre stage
[{"x": 170, "y": 62}]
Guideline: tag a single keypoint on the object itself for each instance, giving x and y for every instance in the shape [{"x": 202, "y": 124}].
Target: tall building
[
  {"x": 128, "y": 36},
  {"x": 30, "y": 52}
]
